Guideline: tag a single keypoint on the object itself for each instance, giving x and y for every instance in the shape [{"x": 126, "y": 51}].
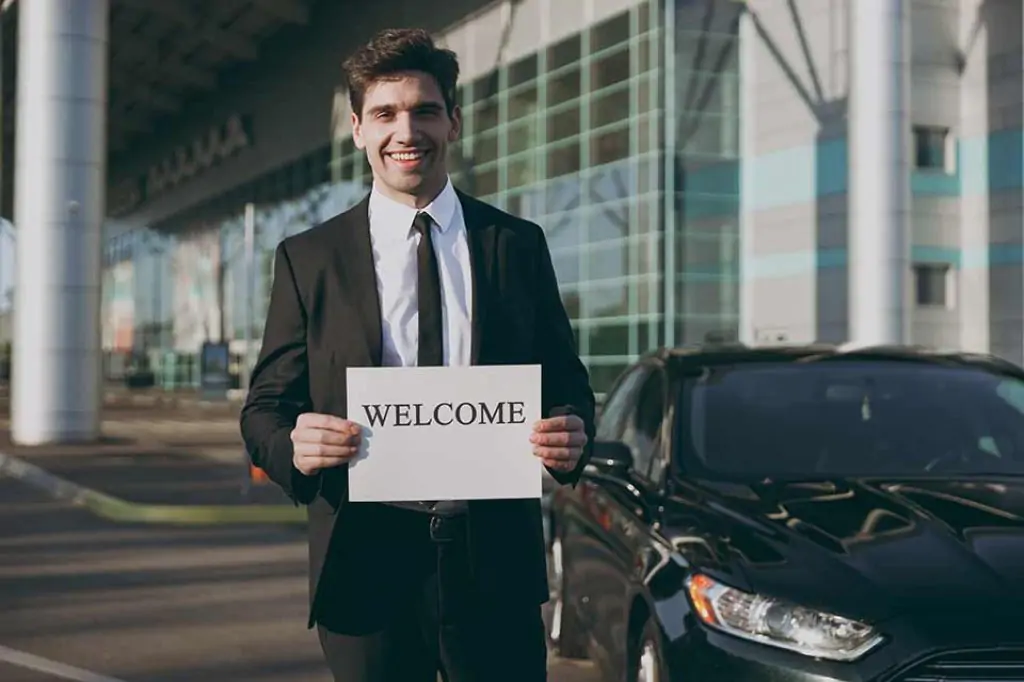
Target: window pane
[
  {"x": 930, "y": 148},
  {"x": 567, "y": 272},
  {"x": 609, "y": 262},
  {"x": 564, "y": 160},
  {"x": 563, "y": 125},
  {"x": 643, "y": 49},
  {"x": 610, "y": 32},
  {"x": 522, "y": 71},
  {"x": 564, "y": 53},
  {"x": 647, "y": 420},
  {"x": 485, "y": 117},
  {"x": 643, "y": 10},
  {"x": 521, "y": 138},
  {"x": 930, "y": 283},
  {"x": 485, "y": 148},
  {"x": 520, "y": 172},
  {"x": 564, "y": 235},
  {"x": 564, "y": 88},
  {"x": 609, "y": 299},
  {"x": 609, "y": 146},
  {"x": 648, "y": 335},
  {"x": 610, "y": 70},
  {"x": 609, "y": 108},
  {"x": 609, "y": 339},
  {"x": 602, "y": 377},
  {"x": 522, "y": 103},
  {"x": 348, "y": 169},
  {"x": 486, "y": 182},
  {"x": 484, "y": 87},
  {"x": 571, "y": 301}
]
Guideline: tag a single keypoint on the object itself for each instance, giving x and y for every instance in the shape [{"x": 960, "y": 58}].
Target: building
[
  {"x": 703, "y": 169},
  {"x": 961, "y": 219},
  {"x": 564, "y": 118}
]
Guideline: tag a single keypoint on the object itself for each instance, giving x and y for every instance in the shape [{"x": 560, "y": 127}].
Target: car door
[{"x": 623, "y": 501}]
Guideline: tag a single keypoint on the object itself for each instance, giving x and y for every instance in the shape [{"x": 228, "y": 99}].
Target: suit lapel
[
  {"x": 354, "y": 254},
  {"x": 481, "y": 235}
]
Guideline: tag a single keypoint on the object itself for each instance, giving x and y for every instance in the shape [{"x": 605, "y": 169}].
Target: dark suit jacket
[{"x": 324, "y": 317}]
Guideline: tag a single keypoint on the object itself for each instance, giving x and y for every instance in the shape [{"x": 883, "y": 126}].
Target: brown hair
[{"x": 400, "y": 49}]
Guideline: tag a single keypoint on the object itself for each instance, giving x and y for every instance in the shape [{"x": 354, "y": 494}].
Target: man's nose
[{"x": 405, "y": 128}]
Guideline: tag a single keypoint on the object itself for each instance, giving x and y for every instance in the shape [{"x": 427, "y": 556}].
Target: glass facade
[
  {"x": 704, "y": 183},
  {"x": 621, "y": 141},
  {"x": 176, "y": 284}
]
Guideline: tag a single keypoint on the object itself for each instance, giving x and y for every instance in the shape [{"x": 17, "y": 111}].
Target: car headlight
[{"x": 778, "y": 623}]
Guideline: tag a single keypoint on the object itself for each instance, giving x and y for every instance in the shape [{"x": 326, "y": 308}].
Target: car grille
[{"x": 969, "y": 666}]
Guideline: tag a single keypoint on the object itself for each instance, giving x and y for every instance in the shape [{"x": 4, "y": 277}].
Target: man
[{"x": 418, "y": 273}]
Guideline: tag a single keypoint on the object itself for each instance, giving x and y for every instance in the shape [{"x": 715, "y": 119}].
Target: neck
[{"x": 422, "y": 197}]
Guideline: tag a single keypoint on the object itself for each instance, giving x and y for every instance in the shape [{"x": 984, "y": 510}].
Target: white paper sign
[{"x": 445, "y": 433}]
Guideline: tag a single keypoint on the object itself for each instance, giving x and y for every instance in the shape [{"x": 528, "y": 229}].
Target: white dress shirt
[{"x": 395, "y": 241}]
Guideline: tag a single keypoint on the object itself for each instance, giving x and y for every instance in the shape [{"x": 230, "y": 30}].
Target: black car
[{"x": 799, "y": 514}]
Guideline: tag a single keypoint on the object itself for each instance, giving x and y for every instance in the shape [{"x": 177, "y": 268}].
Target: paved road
[{"x": 150, "y": 603}]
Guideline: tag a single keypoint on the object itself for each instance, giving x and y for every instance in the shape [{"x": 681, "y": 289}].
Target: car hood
[{"x": 867, "y": 548}]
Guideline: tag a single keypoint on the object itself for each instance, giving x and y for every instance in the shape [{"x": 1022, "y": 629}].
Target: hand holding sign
[
  {"x": 559, "y": 441},
  {"x": 322, "y": 441}
]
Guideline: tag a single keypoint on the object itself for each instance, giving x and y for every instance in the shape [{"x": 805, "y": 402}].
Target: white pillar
[
  {"x": 59, "y": 207},
  {"x": 748, "y": 112},
  {"x": 879, "y": 194}
]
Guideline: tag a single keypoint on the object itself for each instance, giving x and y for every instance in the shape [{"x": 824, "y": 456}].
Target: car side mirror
[{"x": 611, "y": 457}]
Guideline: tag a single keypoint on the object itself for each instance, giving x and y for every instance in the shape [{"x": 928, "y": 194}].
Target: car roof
[{"x": 685, "y": 358}]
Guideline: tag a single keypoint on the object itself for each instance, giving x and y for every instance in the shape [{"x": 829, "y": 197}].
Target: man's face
[{"x": 405, "y": 130}]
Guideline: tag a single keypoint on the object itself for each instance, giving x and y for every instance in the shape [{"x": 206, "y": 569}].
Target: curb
[{"x": 115, "y": 509}]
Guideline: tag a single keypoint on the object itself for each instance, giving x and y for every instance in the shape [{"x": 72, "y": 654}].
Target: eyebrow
[{"x": 420, "y": 106}]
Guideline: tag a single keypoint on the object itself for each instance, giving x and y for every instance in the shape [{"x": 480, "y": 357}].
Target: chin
[{"x": 414, "y": 186}]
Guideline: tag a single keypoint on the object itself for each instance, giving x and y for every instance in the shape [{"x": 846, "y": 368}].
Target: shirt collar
[{"x": 385, "y": 210}]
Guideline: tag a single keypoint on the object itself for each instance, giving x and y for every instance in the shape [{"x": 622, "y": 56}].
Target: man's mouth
[{"x": 407, "y": 158}]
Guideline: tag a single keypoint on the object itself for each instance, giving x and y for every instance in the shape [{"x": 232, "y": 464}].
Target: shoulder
[{"x": 480, "y": 213}]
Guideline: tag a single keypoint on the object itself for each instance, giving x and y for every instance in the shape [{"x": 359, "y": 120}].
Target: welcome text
[{"x": 445, "y": 414}]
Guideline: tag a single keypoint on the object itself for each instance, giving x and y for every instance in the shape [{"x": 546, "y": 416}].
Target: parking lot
[{"x": 140, "y": 602}]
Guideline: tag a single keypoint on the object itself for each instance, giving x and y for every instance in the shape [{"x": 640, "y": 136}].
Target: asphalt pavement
[
  {"x": 147, "y": 603},
  {"x": 89, "y": 599}
]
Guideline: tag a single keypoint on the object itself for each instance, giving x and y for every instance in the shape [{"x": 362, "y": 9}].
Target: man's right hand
[{"x": 322, "y": 441}]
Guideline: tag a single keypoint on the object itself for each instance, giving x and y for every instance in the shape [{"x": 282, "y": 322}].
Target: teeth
[{"x": 406, "y": 156}]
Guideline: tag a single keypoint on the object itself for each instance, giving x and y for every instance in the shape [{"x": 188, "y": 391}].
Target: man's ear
[
  {"x": 357, "y": 132},
  {"x": 456, "y": 130}
]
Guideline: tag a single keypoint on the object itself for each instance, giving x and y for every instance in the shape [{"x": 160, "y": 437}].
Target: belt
[
  {"x": 443, "y": 508},
  {"x": 447, "y": 528}
]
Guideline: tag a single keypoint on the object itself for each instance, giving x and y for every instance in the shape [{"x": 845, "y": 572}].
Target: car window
[
  {"x": 643, "y": 428},
  {"x": 1012, "y": 391},
  {"x": 851, "y": 418},
  {"x": 619, "y": 405}
]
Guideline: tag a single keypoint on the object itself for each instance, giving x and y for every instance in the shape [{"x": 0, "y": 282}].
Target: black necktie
[{"x": 431, "y": 342}]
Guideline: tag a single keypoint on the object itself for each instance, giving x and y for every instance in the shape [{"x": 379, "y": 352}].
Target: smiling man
[{"x": 417, "y": 273}]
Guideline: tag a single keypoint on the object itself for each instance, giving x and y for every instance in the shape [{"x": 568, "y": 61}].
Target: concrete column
[
  {"x": 60, "y": 167},
  {"x": 748, "y": 116},
  {"x": 879, "y": 192}
]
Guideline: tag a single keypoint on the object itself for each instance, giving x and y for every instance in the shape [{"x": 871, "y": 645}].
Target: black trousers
[{"x": 441, "y": 624}]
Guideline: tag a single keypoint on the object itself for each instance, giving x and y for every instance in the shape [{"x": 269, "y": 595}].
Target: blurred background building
[{"x": 695, "y": 163}]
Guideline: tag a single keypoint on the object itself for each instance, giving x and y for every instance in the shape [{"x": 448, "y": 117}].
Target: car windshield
[{"x": 851, "y": 418}]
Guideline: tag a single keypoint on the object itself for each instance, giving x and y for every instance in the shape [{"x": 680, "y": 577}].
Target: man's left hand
[{"x": 559, "y": 441}]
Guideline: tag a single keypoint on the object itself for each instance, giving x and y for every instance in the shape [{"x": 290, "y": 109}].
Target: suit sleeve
[
  {"x": 279, "y": 387},
  {"x": 565, "y": 381}
]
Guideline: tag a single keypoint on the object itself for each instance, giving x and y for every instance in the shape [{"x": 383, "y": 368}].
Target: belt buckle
[{"x": 438, "y": 532}]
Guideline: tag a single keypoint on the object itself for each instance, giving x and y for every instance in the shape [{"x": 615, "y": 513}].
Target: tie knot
[{"x": 422, "y": 223}]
